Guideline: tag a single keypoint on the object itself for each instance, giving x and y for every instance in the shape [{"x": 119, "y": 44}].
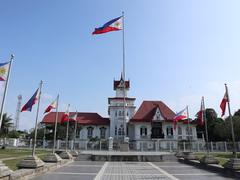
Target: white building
[{"x": 153, "y": 121}]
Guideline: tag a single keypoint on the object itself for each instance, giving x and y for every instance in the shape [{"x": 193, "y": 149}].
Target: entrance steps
[{"x": 126, "y": 156}]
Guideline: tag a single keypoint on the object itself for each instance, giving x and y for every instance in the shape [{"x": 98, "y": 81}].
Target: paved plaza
[{"x": 89, "y": 170}]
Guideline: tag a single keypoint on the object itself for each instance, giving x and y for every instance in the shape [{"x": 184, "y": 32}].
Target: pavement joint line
[
  {"x": 199, "y": 174},
  {"x": 130, "y": 174},
  {"x": 71, "y": 173},
  {"x": 101, "y": 172},
  {"x": 80, "y": 165},
  {"x": 162, "y": 171}
]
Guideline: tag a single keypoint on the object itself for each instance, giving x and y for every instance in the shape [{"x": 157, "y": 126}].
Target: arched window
[
  {"x": 120, "y": 113},
  {"x": 90, "y": 132},
  {"x": 143, "y": 131},
  {"x": 115, "y": 113},
  {"x": 102, "y": 132}
]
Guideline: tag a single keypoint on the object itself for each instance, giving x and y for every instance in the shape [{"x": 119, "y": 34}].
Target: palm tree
[{"x": 6, "y": 124}]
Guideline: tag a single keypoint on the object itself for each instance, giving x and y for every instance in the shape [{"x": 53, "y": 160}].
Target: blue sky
[{"x": 176, "y": 51}]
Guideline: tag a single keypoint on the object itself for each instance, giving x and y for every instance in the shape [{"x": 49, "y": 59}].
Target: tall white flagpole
[
  {"x": 36, "y": 122},
  {"x": 231, "y": 122},
  {"x": 66, "y": 148},
  {"x": 124, "y": 85},
  {"x": 5, "y": 90},
  {"x": 55, "y": 127},
  {"x": 205, "y": 122},
  {"x": 189, "y": 138},
  {"x": 75, "y": 131}
]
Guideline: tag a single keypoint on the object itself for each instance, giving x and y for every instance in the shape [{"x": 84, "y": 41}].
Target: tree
[{"x": 6, "y": 125}]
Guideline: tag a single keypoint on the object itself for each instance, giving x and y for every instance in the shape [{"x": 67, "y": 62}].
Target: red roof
[
  {"x": 84, "y": 118},
  {"x": 148, "y": 109}
]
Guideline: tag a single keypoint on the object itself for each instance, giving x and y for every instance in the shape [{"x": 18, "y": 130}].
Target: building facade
[{"x": 152, "y": 122}]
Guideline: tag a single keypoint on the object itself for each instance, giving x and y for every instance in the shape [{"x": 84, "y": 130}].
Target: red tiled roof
[
  {"x": 84, "y": 118},
  {"x": 147, "y": 111}
]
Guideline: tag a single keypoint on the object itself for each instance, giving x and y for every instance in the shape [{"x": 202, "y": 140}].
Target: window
[
  {"x": 115, "y": 130},
  {"x": 121, "y": 131},
  {"x": 179, "y": 131},
  {"x": 78, "y": 133},
  {"x": 143, "y": 131},
  {"x": 115, "y": 113},
  {"x": 102, "y": 132},
  {"x": 169, "y": 132},
  {"x": 90, "y": 132},
  {"x": 119, "y": 113},
  {"x": 189, "y": 133}
]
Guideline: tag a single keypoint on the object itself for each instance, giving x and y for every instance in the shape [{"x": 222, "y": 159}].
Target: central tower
[{"x": 116, "y": 109}]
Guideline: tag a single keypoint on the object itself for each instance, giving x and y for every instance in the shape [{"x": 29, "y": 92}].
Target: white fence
[{"x": 139, "y": 145}]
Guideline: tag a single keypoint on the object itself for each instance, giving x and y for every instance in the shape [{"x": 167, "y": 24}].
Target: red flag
[
  {"x": 53, "y": 105},
  {"x": 223, "y": 103},
  {"x": 200, "y": 114},
  {"x": 65, "y": 116}
]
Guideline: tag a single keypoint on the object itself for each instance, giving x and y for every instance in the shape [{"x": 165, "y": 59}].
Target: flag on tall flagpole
[
  {"x": 224, "y": 103},
  {"x": 53, "y": 105},
  {"x": 200, "y": 114},
  {"x": 112, "y": 25},
  {"x": 65, "y": 116},
  {"x": 73, "y": 117},
  {"x": 4, "y": 68},
  {"x": 180, "y": 116},
  {"x": 28, "y": 106}
]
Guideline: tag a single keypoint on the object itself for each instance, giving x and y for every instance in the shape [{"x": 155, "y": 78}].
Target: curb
[
  {"x": 211, "y": 167},
  {"x": 23, "y": 174}
]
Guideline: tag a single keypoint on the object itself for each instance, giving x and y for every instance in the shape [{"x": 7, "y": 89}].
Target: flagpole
[
  {"x": 189, "y": 139},
  {"x": 5, "y": 90},
  {"x": 67, "y": 130},
  {"x": 231, "y": 122},
  {"x": 35, "y": 131},
  {"x": 55, "y": 127},
  {"x": 205, "y": 122},
  {"x": 75, "y": 132},
  {"x": 124, "y": 85}
]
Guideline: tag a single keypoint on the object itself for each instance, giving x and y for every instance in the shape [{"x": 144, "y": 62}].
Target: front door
[{"x": 157, "y": 130}]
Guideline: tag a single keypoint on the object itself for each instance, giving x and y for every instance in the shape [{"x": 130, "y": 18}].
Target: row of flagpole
[{"x": 184, "y": 114}]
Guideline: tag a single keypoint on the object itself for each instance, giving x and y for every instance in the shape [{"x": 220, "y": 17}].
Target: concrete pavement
[{"x": 89, "y": 170}]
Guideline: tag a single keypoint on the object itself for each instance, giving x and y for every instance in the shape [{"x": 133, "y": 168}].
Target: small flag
[
  {"x": 223, "y": 103},
  {"x": 65, "y": 116},
  {"x": 4, "y": 68},
  {"x": 113, "y": 25},
  {"x": 180, "y": 116},
  {"x": 53, "y": 105},
  {"x": 28, "y": 106},
  {"x": 73, "y": 117},
  {"x": 200, "y": 114}
]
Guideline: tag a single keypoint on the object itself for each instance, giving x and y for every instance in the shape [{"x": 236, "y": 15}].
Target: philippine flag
[
  {"x": 65, "y": 116},
  {"x": 28, "y": 106},
  {"x": 53, "y": 105},
  {"x": 4, "y": 68},
  {"x": 181, "y": 115},
  {"x": 113, "y": 25}
]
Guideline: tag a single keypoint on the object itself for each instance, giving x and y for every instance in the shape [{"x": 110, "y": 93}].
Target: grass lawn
[
  {"x": 18, "y": 154},
  {"x": 223, "y": 157}
]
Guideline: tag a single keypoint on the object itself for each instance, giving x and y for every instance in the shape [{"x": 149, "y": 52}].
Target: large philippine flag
[
  {"x": 113, "y": 25},
  {"x": 28, "y": 106},
  {"x": 53, "y": 105},
  {"x": 4, "y": 68}
]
